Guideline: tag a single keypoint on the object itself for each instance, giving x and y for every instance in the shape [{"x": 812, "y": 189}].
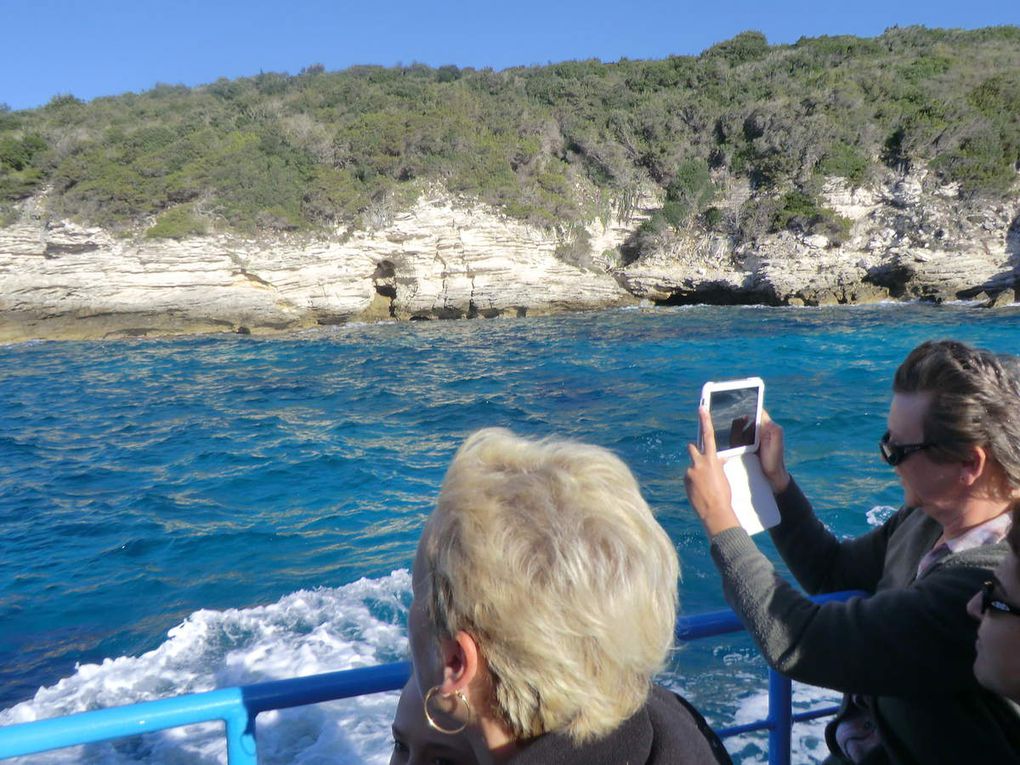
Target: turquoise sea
[{"x": 178, "y": 515}]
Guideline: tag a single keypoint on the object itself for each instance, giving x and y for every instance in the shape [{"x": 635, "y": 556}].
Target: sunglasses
[
  {"x": 894, "y": 454},
  {"x": 988, "y": 600}
]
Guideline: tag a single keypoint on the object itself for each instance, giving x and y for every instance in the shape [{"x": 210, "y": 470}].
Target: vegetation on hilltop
[{"x": 548, "y": 144}]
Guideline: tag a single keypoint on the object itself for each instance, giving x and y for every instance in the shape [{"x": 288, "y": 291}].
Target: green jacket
[{"x": 909, "y": 646}]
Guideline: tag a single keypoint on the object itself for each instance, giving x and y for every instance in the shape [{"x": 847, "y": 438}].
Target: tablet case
[{"x": 753, "y": 501}]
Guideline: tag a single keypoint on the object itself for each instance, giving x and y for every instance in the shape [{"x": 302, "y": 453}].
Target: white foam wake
[
  {"x": 880, "y": 514},
  {"x": 808, "y": 738},
  {"x": 304, "y": 633}
]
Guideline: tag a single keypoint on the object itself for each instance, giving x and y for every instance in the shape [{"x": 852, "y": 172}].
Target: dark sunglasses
[
  {"x": 894, "y": 454},
  {"x": 988, "y": 600}
]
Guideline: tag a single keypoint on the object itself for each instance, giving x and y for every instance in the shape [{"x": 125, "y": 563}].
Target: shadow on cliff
[{"x": 630, "y": 249}]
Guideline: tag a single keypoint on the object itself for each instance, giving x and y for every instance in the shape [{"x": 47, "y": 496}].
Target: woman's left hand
[{"x": 707, "y": 487}]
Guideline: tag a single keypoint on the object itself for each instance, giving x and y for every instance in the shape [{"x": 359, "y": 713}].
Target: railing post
[
  {"x": 780, "y": 718},
  {"x": 241, "y": 747}
]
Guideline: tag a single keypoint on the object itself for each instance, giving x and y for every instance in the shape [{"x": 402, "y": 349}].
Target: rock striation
[
  {"x": 444, "y": 258},
  {"x": 436, "y": 260}
]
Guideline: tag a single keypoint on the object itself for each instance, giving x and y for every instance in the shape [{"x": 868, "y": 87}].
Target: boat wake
[
  {"x": 310, "y": 632},
  {"x": 305, "y": 633}
]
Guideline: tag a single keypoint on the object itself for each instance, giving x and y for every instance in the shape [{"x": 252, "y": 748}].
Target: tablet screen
[{"x": 734, "y": 413}]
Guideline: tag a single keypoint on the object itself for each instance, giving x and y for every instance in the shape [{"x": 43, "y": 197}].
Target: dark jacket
[
  {"x": 908, "y": 648},
  {"x": 665, "y": 731}
]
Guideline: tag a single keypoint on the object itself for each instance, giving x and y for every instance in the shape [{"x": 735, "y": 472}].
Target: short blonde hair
[{"x": 547, "y": 554}]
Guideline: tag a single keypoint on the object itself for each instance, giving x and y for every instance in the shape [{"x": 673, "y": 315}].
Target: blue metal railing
[{"x": 238, "y": 707}]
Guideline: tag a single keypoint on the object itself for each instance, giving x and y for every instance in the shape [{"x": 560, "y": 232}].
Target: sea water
[{"x": 181, "y": 515}]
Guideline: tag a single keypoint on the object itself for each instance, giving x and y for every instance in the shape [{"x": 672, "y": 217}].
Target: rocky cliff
[
  {"x": 446, "y": 259},
  {"x": 906, "y": 241},
  {"x": 436, "y": 260}
]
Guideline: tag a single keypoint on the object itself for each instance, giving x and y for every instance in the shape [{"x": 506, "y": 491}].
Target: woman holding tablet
[{"x": 903, "y": 656}]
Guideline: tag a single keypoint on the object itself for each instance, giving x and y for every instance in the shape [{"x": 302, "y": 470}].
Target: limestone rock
[
  {"x": 850, "y": 202},
  {"x": 1000, "y": 300},
  {"x": 436, "y": 260},
  {"x": 904, "y": 243},
  {"x": 447, "y": 258},
  {"x": 693, "y": 270}
]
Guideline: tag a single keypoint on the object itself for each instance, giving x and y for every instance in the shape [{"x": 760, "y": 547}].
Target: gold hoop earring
[{"x": 460, "y": 699}]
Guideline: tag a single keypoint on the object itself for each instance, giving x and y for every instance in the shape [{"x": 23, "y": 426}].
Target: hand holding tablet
[{"x": 735, "y": 412}]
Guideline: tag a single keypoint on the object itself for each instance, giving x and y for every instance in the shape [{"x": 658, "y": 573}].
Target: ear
[
  {"x": 461, "y": 662},
  {"x": 973, "y": 467}
]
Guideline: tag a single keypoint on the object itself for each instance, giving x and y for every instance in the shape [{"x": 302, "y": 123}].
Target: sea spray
[{"x": 305, "y": 633}]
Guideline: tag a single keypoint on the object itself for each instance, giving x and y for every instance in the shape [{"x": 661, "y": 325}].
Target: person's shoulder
[
  {"x": 685, "y": 729},
  {"x": 906, "y": 513},
  {"x": 982, "y": 556},
  {"x": 910, "y": 522}
]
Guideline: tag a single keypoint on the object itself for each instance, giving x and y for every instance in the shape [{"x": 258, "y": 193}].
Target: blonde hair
[{"x": 547, "y": 554}]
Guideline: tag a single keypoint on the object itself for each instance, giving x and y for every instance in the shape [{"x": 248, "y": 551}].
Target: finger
[
  {"x": 736, "y": 428},
  {"x": 692, "y": 451},
  {"x": 707, "y": 432}
]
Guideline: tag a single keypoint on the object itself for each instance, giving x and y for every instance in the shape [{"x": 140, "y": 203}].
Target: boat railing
[{"x": 238, "y": 707}]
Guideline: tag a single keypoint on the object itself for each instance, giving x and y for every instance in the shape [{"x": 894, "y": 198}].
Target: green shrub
[
  {"x": 675, "y": 213},
  {"x": 63, "y": 101},
  {"x": 801, "y": 213},
  {"x": 687, "y": 194},
  {"x": 692, "y": 184},
  {"x": 745, "y": 47},
  {"x": 19, "y": 184},
  {"x": 981, "y": 163},
  {"x": 19, "y": 160},
  {"x": 795, "y": 212},
  {"x": 177, "y": 223},
  {"x": 712, "y": 219},
  {"x": 17, "y": 154},
  {"x": 847, "y": 162}
]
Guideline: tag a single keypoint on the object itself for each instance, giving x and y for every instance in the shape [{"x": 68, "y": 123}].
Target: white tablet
[{"x": 735, "y": 407}]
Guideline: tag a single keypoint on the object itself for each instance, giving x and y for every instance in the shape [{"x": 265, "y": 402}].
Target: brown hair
[{"x": 975, "y": 401}]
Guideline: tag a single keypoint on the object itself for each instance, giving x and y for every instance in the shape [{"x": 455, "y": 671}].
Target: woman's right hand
[{"x": 770, "y": 454}]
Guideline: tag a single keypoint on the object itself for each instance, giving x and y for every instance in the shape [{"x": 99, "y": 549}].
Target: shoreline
[{"x": 73, "y": 329}]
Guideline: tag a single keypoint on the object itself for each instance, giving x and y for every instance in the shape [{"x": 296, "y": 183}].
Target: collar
[{"x": 988, "y": 533}]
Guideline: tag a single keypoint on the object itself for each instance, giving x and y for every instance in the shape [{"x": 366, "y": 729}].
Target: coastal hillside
[{"x": 836, "y": 169}]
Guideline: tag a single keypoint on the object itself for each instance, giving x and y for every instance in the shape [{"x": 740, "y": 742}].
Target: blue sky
[{"x": 106, "y": 47}]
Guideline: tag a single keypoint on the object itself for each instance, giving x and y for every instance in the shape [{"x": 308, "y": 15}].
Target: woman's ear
[
  {"x": 974, "y": 466},
  {"x": 460, "y": 662}
]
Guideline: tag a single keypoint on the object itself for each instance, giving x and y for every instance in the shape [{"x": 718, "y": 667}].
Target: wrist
[
  {"x": 780, "y": 482},
  {"x": 719, "y": 519}
]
